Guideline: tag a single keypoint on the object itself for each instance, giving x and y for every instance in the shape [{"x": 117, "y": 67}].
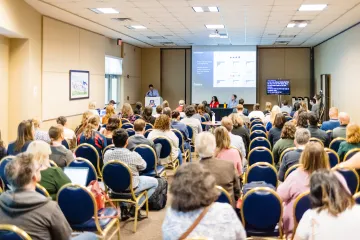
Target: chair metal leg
[
  {"x": 136, "y": 217},
  {"x": 118, "y": 226},
  {"x": 147, "y": 204}
]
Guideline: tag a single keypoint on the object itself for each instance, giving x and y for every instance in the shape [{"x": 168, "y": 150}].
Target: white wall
[{"x": 340, "y": 57}]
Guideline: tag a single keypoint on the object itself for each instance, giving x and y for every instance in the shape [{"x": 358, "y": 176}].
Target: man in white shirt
[
  {"x": 69, "y": 134},
  {"x": 256, "y": 113}
]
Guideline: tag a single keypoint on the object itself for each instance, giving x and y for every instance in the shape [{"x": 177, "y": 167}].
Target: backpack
[{"x": 157, "y": 201}]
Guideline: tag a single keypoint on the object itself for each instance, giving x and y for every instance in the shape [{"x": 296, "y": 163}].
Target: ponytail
[{"x": 92, "y": 124}]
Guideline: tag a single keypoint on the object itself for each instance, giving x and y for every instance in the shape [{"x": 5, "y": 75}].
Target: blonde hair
[
  {"x": 92, "y": 105},
  {"x": 227, "y": 123},
  {"x": 92, "y": 124},
  {"x": 127, "y": 110},
  {"x": 110, "y": 111},
  {"x": 222, "y": 138},
  {"x": 40, "y": 151},
  {"x": 268, "y": 106},
  {"x": 303, "y": 106},
  {"x": 165, "y": 104},
  {"x": 36, "y": 122},
  {"x": 275, "y": 110},
  {"x": 314, "y": 158},
  {"x": 236, "y": 120},
  {"x": 353, "y": 133}
]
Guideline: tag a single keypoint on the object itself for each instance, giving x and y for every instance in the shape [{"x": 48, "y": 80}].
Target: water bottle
[
  {"x": 213, "y": 118},
  {"x": 224, "y": 105}
]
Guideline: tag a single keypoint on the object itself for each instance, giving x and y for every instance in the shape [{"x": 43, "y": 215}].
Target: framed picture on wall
[{"x": 79, "y": 84}]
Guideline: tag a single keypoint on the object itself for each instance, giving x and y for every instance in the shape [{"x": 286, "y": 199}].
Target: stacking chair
[
  {"x": 40, "y": 189},
  {"x": 53, "y": 164},
  {"x": 148, "y": 126},
  {"x": 301, "y": 205},
  {"x": 290, "y": 170},
  {"x": 137, "y": 116},
  {"x": 84, "y": 163},
  {"x": 316, "y": 140},
  {"x": 329, "y": 134},
  {"x": 258, "y": 127},
  {"x": 284, "y": 152},
  {"x": 203, "y": 119},
  {"x": 260, "y": 154},
  {"x": 124, "y": 120},
  {"x": 224, "y": 196},
  {"x": 65, "y": 144},
  {"x": 127, "y": 125},
  {"x": 262, "y": 171},
  {"x": 108, "y": 147},
  {"x": 351, "y": 153},
  {"x": 335, "y": 143},
  {"x": 261, "y": 213},
  {"x": 351, "y": 177},
  {"x": 3, "y": 163},
  {"x": 191, "y": 133},
  {"x": 259, "y": 142},
  {"x": 118, "y": 182},
  {"x": 288, "y": 118},
  {"x": 90, "y": 153},
  {"x": 149, "y": 155},
  {"x": 333, "y": 157},
  {"x": 254, "y": 121},
  {"x": 186, "y": 152},
  {"x": 12, "y": 232},
  {"x": 166, "y": 151},
  {"x": 80, "y": 209},
  {"x": 257, "y": 133},
  {"x": 357, "y": 197},
  {"x": 146, "y": 134},
  {"x": 130, "y": 131}
]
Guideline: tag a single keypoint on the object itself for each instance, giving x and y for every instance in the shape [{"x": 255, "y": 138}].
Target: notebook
[{"x": 77, "y": 175}]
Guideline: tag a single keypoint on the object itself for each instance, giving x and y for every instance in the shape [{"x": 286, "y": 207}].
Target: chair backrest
[
  {"x": 40, "y": 189},
  {"x": 3, "y": 163},
  {"x": 108, "y": 147},
  {"x": 255, "y": 121},
  {"x": 260, "y": 154},
  {"x": 351, "y": 153},
  {"x": 12, "y": 232},
  {"x": 146, "y": 134},
  {"x": 148, "y": 154},
  {"x": 90, "y": 153},
  {"x": 137, "y": 116},
  {"x": 257, "y": 133},
  {"x": 290, "y": 170},
  {"x": 203, "y": 119},
  {"x": 117, "y": 176},
  {"x": 329, "y": 134},
  {"x": 316, "y": 140},
  {"x": 335, "y": 143},
  {"x": 351, "y": 177},
  {"x": 84, "y": 163},
  {"x": 261, "y": 210},
  {"x": 262, "y": 171},
  {"x": 284, "y": 152},
  {"x": 130, "y": 131},
  {"x": 124, "y": 120},
  {"x": 258, "y": 127},
  {"x": 333, "y": 157},
  {"x": 148, "y": 126},
  {"x": 357, "y": 197},
  {"x": 224, "y": 196},
  {"x": 180, "y": 136},
  {"x": 191, "y": 132},
  {"x": 127, "y": 125},
  {"x": 301, "y": 205},
  {"x": 65, "y": 144},
  {"x": 259, "y": 142},
  {"x": 165, "y": 146}
]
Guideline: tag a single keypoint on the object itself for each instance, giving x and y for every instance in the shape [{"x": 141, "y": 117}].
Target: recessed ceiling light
[
  {"x": 291, "y": 25},
  {"x": 312, "y": 7},
  {"x": 224, "y": 36},
  {"x": 214, "y": 26},
  {"x": 213, "y": 9},
  {"x": 213, "y": 35},
  {"x": 136, "y": 27},
  {"x": 302, "y": 25},
  {"x": 104, "y": 10},
  {"x": 198, "y": 9}
]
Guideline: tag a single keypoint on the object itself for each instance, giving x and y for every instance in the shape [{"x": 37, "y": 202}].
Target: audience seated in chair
[
  {"x": 92, "y": 108},
  {"x": 2, "y": 148},
  {"x": 134, "y": 161},
  {"x": 240, "y": 130},
  {"x": 352, "y": 140},
  {"x": 112, "y": 124},
  {"x": 224, "y": 172},
  {"x": 277, "y": 126},
  {"x": 334, "y": 214},
  {"x": 256, "y": 113},
  {"x": 181, "y": 106},
  {"x": 340, "y": 131},
  {"x": 245, "y": 111},
  {"x": 25, "y": 135},
  {"x": 138, "y": 108},
  {"x": 286, "y": 141},
  {"x": 224, "y": 151},
  {"x": 302, "y": 137},
  {"x": 127, "y": 113},
  {"x": 40, "y": 134},
  {"x": 312, "y": 158},
  {"x": 69, "y": 134},
  {"x": 296, "y": 107},
  {"x": 92, "y": 136},
  {"x": 240, "y": 112},
  {"x": 285, "y": 107},
  {"x": 59, "y": 154},
  {"x": 235, "y": 140},
  {"x": 138, "y": 138},
  {"x": 194, "y": 192},
  {"x": 110, "y": 111},
  {"x": 147, "y": 115},
  {"x": 333, "y": 122},
  {"x": 176, "y": 124},
  {"x": 159, "y": 110},
  {"x": 52, "y": 178},
  {"x": 270, "y": 118},
  {"x": 191, "y": 121},
  {"x": 302, "y": 119},
  {"x": 315, "y": 131},
  {"x": 268, "y": 107},
  {"x": 162, "y": 129},
  {"x": 202, "y": 112},
  {"x": 85, "y": 117},
  {"x": 353, "y": 162}
]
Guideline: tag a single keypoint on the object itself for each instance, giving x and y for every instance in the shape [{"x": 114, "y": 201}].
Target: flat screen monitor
[{"x": 277, "y": 87}]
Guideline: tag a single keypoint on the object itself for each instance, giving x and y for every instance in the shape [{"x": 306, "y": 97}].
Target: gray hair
[
  {"x": 20, "y": 170},
  {"x": 302, "y": 136},
  {"x": 181, "y": 102},
  {"x": 205, "y": 144}
]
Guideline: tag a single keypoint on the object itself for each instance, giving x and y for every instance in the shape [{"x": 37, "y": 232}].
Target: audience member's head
[
  {"x": 314, "y": 158},
  {"x": 256, "y": 107},
  {"x": 139, "y": 126},
  {"x": 56, "y": 133},
  {"x": 127, "y": 110},
  {"x": 162, "y": 123},
  {"x": 120, "y": 138},
  {"x": 227, "y": 123},
  {"x": 190, "y": 111},
  {"x": 205, "y": 144},
  {"x": 334, "y": 113},
  {"x": 205, "y": 103},
  {"x": 222, "y": 138},
  {"x": 313, "y": 119},
  {"x": 92, "y": 125},
  {"x": 344, "y": 118},
  {"x": 296, "y": 106},
  {"x": 328, "y": 194},
  {"x": 167, "y": 111},
  {"x": 159, "y": 109},
  {"x": 25, "y": 133},
  {"x": 181, "y": 103},
  {"x": 201, "y": 109},
  {"x": 110, "y": 111},
  {"x": 302, "y": 121},
  {"x": 138, "y": 105},
  {"x": 214, "y": 99},
  {"x": 353, "y": 133},
  {"x": 85, "y": 117},
  {"x": 165, "y": 104},
  {"x": 36, "y": 123},
  {"x": 240, "y": 108},
  {"x": 23, "y": 172},
  {"x": 237, "y": 121},
  {"x": 285, "y": 102},
  {"x": 303, "y": 106},
  {"x": 193, "y": 188},
  {"x": 279, "y": 120},
  {"x": 241, "y": 101},
  {"x": 147, "y": 112},
  {"x": 233, "y": 97},
  {"x": 274, "y": 111},
  {"x": 112, "y": 102},
  {"x": 268, "y": 106},
  {"x": 40, "y": 151},
  {"x": 288, "y": 131},
  {"x": 302, "y": 137},
  {"x": 61, "y": 120},
  {"x": 92, "y": 105},
  {"x": 113, "y": 124},
  {"x": 175, "y": 115}
]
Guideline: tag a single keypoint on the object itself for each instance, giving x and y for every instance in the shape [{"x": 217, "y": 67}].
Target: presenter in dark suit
[{"x": 152, "y": 92}]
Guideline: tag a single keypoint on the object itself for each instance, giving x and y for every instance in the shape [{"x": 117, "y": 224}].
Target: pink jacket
[{"x": 232, "y": 155}]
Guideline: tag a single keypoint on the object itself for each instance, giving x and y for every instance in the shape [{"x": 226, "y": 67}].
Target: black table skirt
[{"x": 221, "y": 112}]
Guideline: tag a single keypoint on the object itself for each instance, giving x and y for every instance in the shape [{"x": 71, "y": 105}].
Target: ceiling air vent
[
  {"x": 122, "y": 19},
  {"x": 281, "y": 43},
  {"x": 168, "y": 43},
  {"x": 287, "y": 36},
  {"x": 155, "y": 37}
]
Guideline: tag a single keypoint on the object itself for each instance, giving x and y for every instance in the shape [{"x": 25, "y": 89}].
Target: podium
[{"x": 153, "y": 102}]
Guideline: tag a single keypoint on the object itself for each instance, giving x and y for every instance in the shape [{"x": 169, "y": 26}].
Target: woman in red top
[{"x": 214, "y": 102}]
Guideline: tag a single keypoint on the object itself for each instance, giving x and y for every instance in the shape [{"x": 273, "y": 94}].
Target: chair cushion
[
  {"x": 159, "y": 169},
  {"x": 90, "y": 224}
]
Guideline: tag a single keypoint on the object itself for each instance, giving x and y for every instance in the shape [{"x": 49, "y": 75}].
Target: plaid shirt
[
  {"x": 42, "y": 135},
  {"x": 134, "y": 161}
]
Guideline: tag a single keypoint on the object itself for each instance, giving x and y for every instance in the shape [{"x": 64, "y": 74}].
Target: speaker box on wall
[{"x": 325, "y": 88}]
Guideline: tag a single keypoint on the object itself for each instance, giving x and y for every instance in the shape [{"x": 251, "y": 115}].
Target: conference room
[{"x": 122, "y": 117}]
